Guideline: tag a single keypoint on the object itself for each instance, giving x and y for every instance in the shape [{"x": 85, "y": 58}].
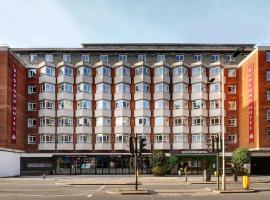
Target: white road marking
[
  {"x": 89, "y": 196},
  {"x": 102, "y": 187}
]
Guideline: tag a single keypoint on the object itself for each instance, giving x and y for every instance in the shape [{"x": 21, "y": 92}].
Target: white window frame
[
  {"x": 85, "y": 57},
  {"x": 49, "y": 57},
  {"x": 197, "y": 57},
  {"x": 215, "y": 57},
  {"x": 161, "y": 57},
  {"x": 31, "y": 72},
  {"x": 232, "y": 89},
  {"x": 268, "y": 114},
  {"x": 141, "y": 57},
  {"x": 66, "y": 57},
  {"x": 234, "y": 137},
  {"x": 32, "y": 89},
  {"x": 31, "y": 139},
  {"x": 180, "y": 57},
  {"x": 232, "y": 72},
  {"x": 33, "y": 57},
  {"x": 123, "y": 57},
  {"x": 104, "y": 58},
  {"x": 31, "y": 106},
  {"x": 232, "y": 122},
  {"x": 31, "y": 122},
  {"x": 232, "y": 105},
  {"x": 267, "y": 56}
]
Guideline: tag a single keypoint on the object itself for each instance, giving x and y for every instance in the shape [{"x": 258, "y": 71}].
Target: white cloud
[{"x": 31, "y": 23}]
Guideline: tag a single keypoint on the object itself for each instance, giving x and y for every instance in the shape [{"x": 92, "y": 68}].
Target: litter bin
[{"x": 246, "y": 182}]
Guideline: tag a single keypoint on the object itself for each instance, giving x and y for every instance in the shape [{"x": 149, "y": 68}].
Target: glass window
[
  {"x": 268, "y": 133},
  {"x": 122, "y": 104},
  {"x": 64, "y": 138},
  {"x": 65, "y": 121},
  {"x": 104, "y": 104},
  {"x": 214, "y": 87},
  {"x": 232, "y": 122},
  {"x": 180, "y": 104},
  {"x": 198, "y": 138},
  {"x": 31, "y": 73},
  {"x": 31, "y": 139},
  {"x": 268, "y": 114},
  {"x": 32, "y": 89},
  {"x": 46, "y": 70},
  {"x": 85, "y": 57},
  {"x": 83, "y": 104},
  {"x": 160, "y": 57},
  {"x": 102, "y": 138},
  {"x": 180, "y": 57},
  {"x": 122, "y": 121},
  {"x": 180, "y": 121},
  {"x": 103, "y": 70},
  {"x": 66, "y": 57},
  {"x": 180, "y": 87},
  {"x": 123, "y": 87},
  {"x": 161, "y": 104},
  {"x": 268, "y": 75},
  {"x": 33, "y": 57},
  {"x": 215, "y": 57},
  {"x": 65, "y": 87},
  {"x": 104, "y": 87},
  {"x": 161, "y": 87},
  {"x": 46, "y": 138},
  {"x": 198, "y": 87},
  {"x": 122, "y": 138},
  {"x": 83, "y": 121},
  {"x": 232, "y": 139},
  {"x": 47, "y": 87},
  {"x": 142, "y": 57},
  {"x": 199, "y": 70},
  {"x": 49, "y": 57},
  {"x": 214, "y": 105},
  {"x": 47, "y": 104},
  {"x": 229, "y": 57},
  {"x": 197, "y": 57},
  {"x": 47, "y": 121},
  {"x": 268, "y": 95},
  {"x": 198, "y": 121},
  {"x": 31, "y": 122},
  {"x": 267, "y": 56},
  {"x": 198, "y": 104},
  {"x": 65, "y": 104},
  {"x": 104, "y": 58},
  {"x": 142, "y": 104},
  {"x": 231, "y": 72},
  {"x": 83, "y": 138},
  {"x": 214, "y": 71},
  {"x": 181, "y": 138},
  {"x": 180, "y": 71},
  {"x": 123, "y": 57},
  {"x": 142, "y": 87},
  {"x": 162, "y": 121},
  {"x": 214, "y": 121},
  {"x": 142, "y": 121},
  {"x": 31, "y": 106},
  {"x": 84, "y": 87},
  {"x": 122, "y": 71},
  {"x": 161, "y": 71},
  {"x": 232, "y": 89},
  {"x": 159, "y": 138},
  {"x": 232, "y": 105},
  {"x": 142, "y": 70},
  {"x": 65, "y": 71},
  {"x": 103, "y": 121},
  {"x": 84, "y": 70}
]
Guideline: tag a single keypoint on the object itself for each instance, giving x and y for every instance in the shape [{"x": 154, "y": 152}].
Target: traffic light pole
[{"x": 136, "y": 167}]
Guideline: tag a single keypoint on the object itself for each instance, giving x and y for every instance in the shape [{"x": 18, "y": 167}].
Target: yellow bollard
[{"x": 246, "y": 182}]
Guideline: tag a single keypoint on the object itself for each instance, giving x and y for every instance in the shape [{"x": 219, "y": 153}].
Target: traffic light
[
  {"x": 131, "y": 146},
  {"x": 142, "y": 145}
]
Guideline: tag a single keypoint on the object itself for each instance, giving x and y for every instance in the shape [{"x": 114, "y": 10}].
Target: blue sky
[{"x": 68, "y": 23}]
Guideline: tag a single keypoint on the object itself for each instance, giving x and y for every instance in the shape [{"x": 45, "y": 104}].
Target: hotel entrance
[{"x": 99, "y": 165}]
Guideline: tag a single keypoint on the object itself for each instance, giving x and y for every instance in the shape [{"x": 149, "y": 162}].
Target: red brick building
[{"x": 77, "y": 107}]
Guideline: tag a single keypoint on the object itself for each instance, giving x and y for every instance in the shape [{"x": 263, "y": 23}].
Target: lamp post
[{"x": 238, "y": 51}]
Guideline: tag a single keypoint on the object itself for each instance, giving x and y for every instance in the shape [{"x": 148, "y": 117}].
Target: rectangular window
[
  {"x": 47, "y": 104},
  {"x": 103, "y": 121},
  {"x": 198, "y": 104},
  {"x": 65, "y": 71},
  {"x": 49, "y": 58},
  {"x": 104, "y": 104},
  {"x": 214, "y": 71},
  {"x": 104, "y": 58},
  {"x": 84, "y": 87},
  {"x": 161, "y": 121},
  {"x": 142, "y": 121},
  {"x": 31, "y": 139},
  {"x": 31, "y": 73},
  {"x": 198, "y": 87},
  {"x": 161, "y": 71},
  {"x": 65, "y": 104},
  {"x": 47, "y": 87},
  {"x": 83, "y": 70},
  {"x": 63, "y": 138},
  {"x": 122, "y": 121},
  {"x": 46, "y": 70},
  {"x": 215, "y": 121},
  {"x": 180, "y": 71},
  {"x": 142, "y": 70},
  {"x": 197, "y": 57},
  {"x": 122, "y": 71},
  {"x": 33, "y": 57},
  {"x": 122, "y": 104},
  {"x": 232, "y": 139},
  {"x": 65, "y": 121},
  {"x": 142, "y": 104},
  {"x": 268, "y": 114},
  {"x": 199, "y": 70},
  {"x": 214, "y": 87},
  {"x": 268, "y": 133},
  {"x": 160, "y": 57},
  {"x": 268, "y": 95},
  {"x": 180, "y": 57},
  {"x": 180, "y": 104},
  {"x": 123, "y": 57},
  {"x": 142, "y": 87},
  {"x": 83, "y": 121},
  {"x": 47, "y": 121},
  {"x": 103, "y": 87},
  {"x": 32, "y": 89},
  {"x": 181, "y": 138},
  {"x": 180, "y": 121},
  {"x": 198, "y": 138},
  {"x": 66, "y": 57},
  {"x": 214, "y": 105},
  {"x": 65, "y": 87},
  {"x": 84, "y": 104},
  {"x": 161, "y": 104},
  {"x": 103, "y": 70},
  {"x": 268, "y": 75},
  {"x": 85, "y": 57},
  {"x": 123, "y": 87},
  {"x": 232, "y": 89},
  {"x": 215, "y": 57},
  {"x": 229, "y": 57},
  {"x": 162, "y": 87},
  {"x": 31, "y": 123},
  {"x": 141, "y": 57},
  {"x": 231, "y": 72},
  {"x": 31, "y": 106},
  {"x": 232, "y": 105},
  {"x": 159, "y": 138},
  {"x": 232, "y": 122},
  {"x": 45, "y": 138},
  {"x": 83, "y": 138},
  {"x": 267, "y": 56},
  {"x": 198, "y": 121}
]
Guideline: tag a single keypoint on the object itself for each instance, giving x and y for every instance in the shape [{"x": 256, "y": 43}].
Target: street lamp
[{"x": 237, "y": 52}]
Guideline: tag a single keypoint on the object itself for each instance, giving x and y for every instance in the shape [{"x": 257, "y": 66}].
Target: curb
[
  {"x": 233, "y": 191},
  {"x": 127, "y": 192}
]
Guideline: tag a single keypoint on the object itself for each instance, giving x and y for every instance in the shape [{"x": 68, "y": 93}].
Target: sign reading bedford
[
  {"x": 251, "y": 101},
  {"x": 13, "y": 104}
]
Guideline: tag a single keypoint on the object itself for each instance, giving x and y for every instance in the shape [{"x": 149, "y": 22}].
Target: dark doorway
[{"x": 260, "y": 165}]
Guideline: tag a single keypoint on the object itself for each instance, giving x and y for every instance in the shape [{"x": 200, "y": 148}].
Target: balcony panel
[
  {"x": 142, "y": 129},
  {"x": 179, "y": 79},
  {"x": 84, "y": 129},
  {"x": 103, "y": 113},
  {"x": 180, "y": 112},
  {"x": 199, "y": 95},
  {"x": 142, "y": 95},
  {"x": 161, "y": 129},
  {"x": 199, "y": 129},
  {"x": 47, "y": 95},
  {"x": 199, "y": 112},
  {"x": 47, "y": 79},
  {"x": 65, "y": 113},
  {"x": 161, "y": 146},
  {"x": 121, "y": 146},
  {"x": 103, "y": 79},
  {"x": 161, "y": 95},
  {"x": 142, "y": 112},
  {"x": 216, "y": 95},
  {"x": 122, "y": 95},
  {"x": 103, "y": 146},
  {"x": 122, "y": 113},
  {"x": 46, "y": 129},
  {"x": 63, "y": 146},
  {"x": 216, "y": 112},
  {"x": 199, "y": 78},
  {"x": 122, "y": 129},
  {"x": 103, "y": 129},
  {"x": 162, "y": 78},
  {"x": 198, "y": 145},
  {"x": 215, "y": 129},
  {"x": 181, "y": 129},
  {"x": 83, "y": 146},
  {"x": 65, "y": 79},
  {"x": 180, "y": 95},
  {"x": 103, "y": 95},
  {"x": 65, "y": 129},
  {"x": 46, "y": 146},
  {"x": 84, "y": 79},
  {"x": 122, "y": 79},
  {"x": 180, "y": 145},
  {"x": 65, "y": 96},
  {"x": 84, "y": 113},
  {"x": 84, "y": 95},
  {"x": 162, "y": 112},
  {"x": 46, "y": 113},
  {"x": 141, "y": 78}
]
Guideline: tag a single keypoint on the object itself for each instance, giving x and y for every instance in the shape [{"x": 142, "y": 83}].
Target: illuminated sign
[
  {"x": 251, "y": 102},
  {"x": 13, "y": 104}
]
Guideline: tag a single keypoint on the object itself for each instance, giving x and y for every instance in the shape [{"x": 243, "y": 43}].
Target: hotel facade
[{"x": 73, "y": 110}]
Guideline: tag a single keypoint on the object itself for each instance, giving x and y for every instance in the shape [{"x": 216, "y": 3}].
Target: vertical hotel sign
[
  {"x": 251, "y": 101},
  {"x": 13, "y": 104}
]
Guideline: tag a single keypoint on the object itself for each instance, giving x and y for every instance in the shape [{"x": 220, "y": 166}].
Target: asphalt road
[{"x": 48, "y": 189}]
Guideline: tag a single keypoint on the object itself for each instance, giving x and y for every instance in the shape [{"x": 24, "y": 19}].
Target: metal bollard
[{"x": 44, "y": 176}]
